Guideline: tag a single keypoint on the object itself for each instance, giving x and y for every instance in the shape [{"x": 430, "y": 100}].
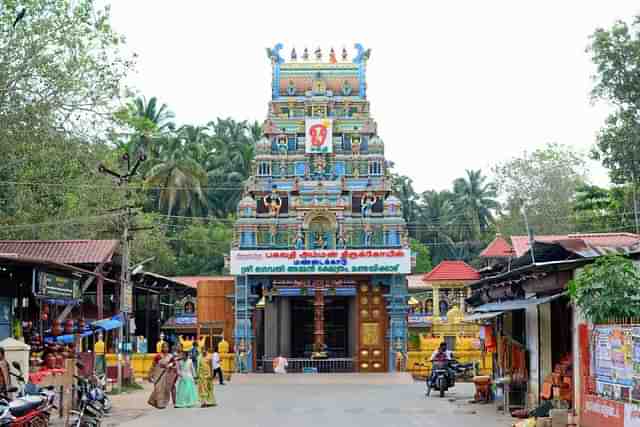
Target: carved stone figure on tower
[
  {"x": 345, "y": 55},
  {"x": 299, "y": 242},
  {"x": 366, "y": 204},
  {"x": 332, "y": 56},
  {"x": 318, "y": 53},
  {"x": 305, "y": 54},
  {"x": 273, "y": 202},
  {"x": 294, "y": 55}
]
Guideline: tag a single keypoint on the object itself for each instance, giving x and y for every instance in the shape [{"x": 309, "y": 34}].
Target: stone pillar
[
  {"x": 285, "y": 326},
  {"x": 353, "y": 327},
  {"x": 318, "y": 305},
  {"x": 243, "y": 333},
  {"x": 436, "y": 302},
  {"x": 271, "y": 328},
  {"x": 398, "y": 309}
]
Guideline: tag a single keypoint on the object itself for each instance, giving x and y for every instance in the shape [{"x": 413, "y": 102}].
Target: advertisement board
[
  {"x": 54, "y": 286},
  {"x": 343, "y": 261},
  {"x": 318, "y": 136}
]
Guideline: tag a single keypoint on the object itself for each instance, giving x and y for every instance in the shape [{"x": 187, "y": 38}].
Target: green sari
[{"x": 205, "y": 382}]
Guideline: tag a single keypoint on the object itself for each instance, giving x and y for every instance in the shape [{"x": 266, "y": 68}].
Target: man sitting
[{"x": 441, "y": 354}]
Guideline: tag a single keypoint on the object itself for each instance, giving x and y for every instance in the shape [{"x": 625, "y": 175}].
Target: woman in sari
[
  {"x": 186, "y": 392},
  {"x": 163, "y": 377},
  {"x": 205, "y": 380}
]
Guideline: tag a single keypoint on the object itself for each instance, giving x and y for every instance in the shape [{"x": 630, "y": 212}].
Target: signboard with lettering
[
  {"x": 301, "y": 262},
  {"x": 126, "y": 298},
  {"x": 54, "y": 286},
  {"x": 318, "y": 136}
]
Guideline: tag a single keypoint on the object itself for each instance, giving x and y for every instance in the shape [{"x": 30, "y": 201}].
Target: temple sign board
[{"x": 265, "y": 262}]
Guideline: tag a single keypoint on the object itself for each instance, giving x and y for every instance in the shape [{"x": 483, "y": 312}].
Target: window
[
  {"x": 301, "y": 142},
  {"x": 300, "y": 168},
  {"x": 337, "y": 141},
  {"x": 364, "y": 144},
  {"x": 291, "y": 143},
  {"x": 247, "y": 239},
  {"x": 346, "y": 143},
  {"x": 264, "y": 168},
  {"x": 375, "y": 168},
  {"x": 339, "y": 169}
]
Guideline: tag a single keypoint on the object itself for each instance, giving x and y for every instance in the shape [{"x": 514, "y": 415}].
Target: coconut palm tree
[
  {"x": 179, "y": 177},
  {"x": 475, "y": 202},
  {"x": 151, "y": 121}
]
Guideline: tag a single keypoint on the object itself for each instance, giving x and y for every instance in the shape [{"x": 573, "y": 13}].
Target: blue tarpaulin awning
[{"x": 104, "y": 325}]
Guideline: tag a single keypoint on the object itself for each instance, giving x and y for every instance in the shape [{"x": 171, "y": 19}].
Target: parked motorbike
[
  {"x": 91, "y": 402},
  {"x": 32, "y": 407}
]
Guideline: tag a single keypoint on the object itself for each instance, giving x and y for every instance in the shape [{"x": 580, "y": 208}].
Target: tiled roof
[
  {"x": 499, "y": 248},
  {"x": 613, "y": 240},
  {"x": 62, "y": 251},
  {"x": 416, "y": 282},
  {"x": 452, "y": 271},
  {"x": 192, "y": 281}
]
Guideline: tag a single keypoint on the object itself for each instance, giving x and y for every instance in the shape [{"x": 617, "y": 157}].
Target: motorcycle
[
  {"x": 32, "y": 407},
  {"x": 91, "y": 402},
  {"x": 441, "y": 378}
]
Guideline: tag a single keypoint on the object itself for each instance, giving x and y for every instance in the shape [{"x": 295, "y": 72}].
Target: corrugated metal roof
[
  {"x": 62, "y": 251},
  {"x": 594, "y": 240}
]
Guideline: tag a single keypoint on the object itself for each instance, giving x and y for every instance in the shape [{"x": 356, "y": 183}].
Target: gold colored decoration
[
  {"x": 376, "y": 365},
  {"x": 376, "y": 313},
  {"x": 364, "y": 300},
  {"x": 364, "y": 353},
  {"x": 364, "y": 313},
  {"x": 364, "y": 365},
  {"x": 364, "y": 288},
  {"x": 370, "y": 334},
  {"x": 376, "y": 353},
  {"x": 376, "y": 300}
]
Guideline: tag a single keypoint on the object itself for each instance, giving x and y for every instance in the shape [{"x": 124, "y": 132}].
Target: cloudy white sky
[{"x": 453, "y": 85}]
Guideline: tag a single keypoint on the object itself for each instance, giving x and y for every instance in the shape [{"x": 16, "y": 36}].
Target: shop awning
[
  {"x": 474, "y": 317},
  {"x": 109, "y": 324},
  {"x": 519, "y": 304}
]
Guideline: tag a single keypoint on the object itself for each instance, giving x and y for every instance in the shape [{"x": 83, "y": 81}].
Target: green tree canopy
[
  {"x": 545, "y": 181},
  {"x": 423, "y": 257},
  {"x": 607, "y": 290}
]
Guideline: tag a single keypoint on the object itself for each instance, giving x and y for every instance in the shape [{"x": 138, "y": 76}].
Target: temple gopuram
[{"x": 320, "y": 251}]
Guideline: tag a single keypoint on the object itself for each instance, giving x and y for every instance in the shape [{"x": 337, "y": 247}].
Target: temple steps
[{"x": 319, "y": 379}]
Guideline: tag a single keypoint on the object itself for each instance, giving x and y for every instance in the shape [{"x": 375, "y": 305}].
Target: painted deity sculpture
[
  {"x": 366, "y": 204},
  {"x": 368, "y": 236},
  {"x": 305, "y": 54},
  {"x": 344, "y": 54},
  {"x": 273, "y": 202},
  {"x": 332, "y": 57},
  {"x": 299, "y": 241}
]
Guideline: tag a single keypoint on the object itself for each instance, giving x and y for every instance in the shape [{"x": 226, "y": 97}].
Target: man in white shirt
[{"x": 217, "y": 368}]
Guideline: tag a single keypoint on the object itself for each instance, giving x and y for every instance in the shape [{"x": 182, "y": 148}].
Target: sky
[{"x": 453, "y": 85}]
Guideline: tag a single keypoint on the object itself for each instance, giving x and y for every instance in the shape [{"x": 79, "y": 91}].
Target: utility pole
[
  {"x": 529, "y": 232},
  {"x": 126, "y": 289}
]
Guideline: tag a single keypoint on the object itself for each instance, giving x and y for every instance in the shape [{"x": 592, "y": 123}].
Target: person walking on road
[
  {"x": 217, "y": 368},
  {"x": 205, "y": 380}
]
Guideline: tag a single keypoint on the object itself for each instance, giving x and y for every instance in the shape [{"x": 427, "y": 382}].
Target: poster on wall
[
  {"x": 631, "y": 415},
  {"x": 318, "y": 136},
  {"x": 615, "y": 354}
]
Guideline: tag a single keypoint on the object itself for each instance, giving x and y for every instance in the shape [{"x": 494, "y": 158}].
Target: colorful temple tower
[{"x": 320, "y": 253}]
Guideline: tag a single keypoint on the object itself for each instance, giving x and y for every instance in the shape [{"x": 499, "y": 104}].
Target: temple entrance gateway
[
  {"x": 320, "y": 248},
  {"x": 336, "y": 327}
]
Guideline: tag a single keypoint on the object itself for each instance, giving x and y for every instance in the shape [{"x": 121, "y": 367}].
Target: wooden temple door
[{"x": 372, "y": 325}]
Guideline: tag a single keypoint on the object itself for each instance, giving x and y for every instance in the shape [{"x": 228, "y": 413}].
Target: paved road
[{"x": 335, "y": 405}]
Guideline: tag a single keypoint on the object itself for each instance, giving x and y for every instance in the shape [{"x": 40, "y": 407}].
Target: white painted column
[
  {"x": 545, "y": 341},
  {"x": 531, "y": 328}
]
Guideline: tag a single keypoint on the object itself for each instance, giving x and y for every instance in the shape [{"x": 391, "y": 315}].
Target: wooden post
[{"x": 318, "y": 304}]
